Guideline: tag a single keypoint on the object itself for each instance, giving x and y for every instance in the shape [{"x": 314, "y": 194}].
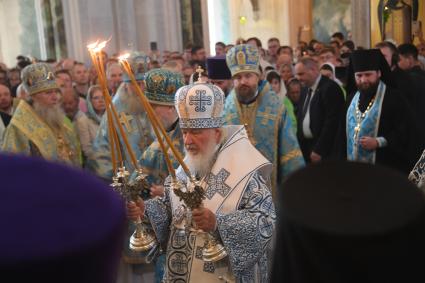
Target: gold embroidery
[
  {"x": 157, "y": 80},
  {"x": 267, "y": 115},
  {"x": 248, "y": 117},
  {"x": 240, "y": 58},
  {"x": 125, "y": 120},
  {"x": 171, "y": 89},
  {"x": 65, "y": 151},
  {"x": 34, "y": 130},
  {"x": 291, "y": 155}
]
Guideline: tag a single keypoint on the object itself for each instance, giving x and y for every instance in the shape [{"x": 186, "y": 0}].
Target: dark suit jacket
[{"x": 326, "y": 107}]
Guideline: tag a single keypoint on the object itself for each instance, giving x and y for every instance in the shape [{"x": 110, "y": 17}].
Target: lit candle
[
  {"x": 95, "y": 52},
  {"x": 152, "y": 117},
  {"x": 92, "y": 48}
]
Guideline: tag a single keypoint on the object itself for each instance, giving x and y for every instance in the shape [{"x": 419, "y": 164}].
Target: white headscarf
[
  {"x": 333, "y": 72},
  {"x": 283, "y": 91}
]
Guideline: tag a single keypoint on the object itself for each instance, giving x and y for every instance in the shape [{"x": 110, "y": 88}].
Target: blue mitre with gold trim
[
  {"x": 200, "y": 106},
  {"x": 161, "y": 86},
  {"x": 38, "y": 77},
  {"x": 139, "y": 63},
  {"x": 243, "y": 58}
]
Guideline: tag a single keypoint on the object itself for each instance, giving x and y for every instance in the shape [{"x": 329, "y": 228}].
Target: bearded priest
[
  {"x": 237, "y": 212},
  {"x": 253, "y": 103},
  {"x": 379, "y": 126},
  {"x": 39, "y": 127}
]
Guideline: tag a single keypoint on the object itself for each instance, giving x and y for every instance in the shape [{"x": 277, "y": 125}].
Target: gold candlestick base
[
  {"x": 140, "y": 242},
  {"x": 213, "y": 251}
]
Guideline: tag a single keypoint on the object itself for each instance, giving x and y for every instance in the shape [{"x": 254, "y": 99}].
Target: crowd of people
[{"x": 245, "y": 119}]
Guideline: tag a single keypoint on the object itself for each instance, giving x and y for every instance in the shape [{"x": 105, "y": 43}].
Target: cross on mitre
[{"x": 199, "y": 70}]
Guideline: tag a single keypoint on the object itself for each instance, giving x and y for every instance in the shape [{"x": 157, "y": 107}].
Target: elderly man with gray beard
[
  {"x": 237, "y": 212},
  {"x": 38, "y": 126}
]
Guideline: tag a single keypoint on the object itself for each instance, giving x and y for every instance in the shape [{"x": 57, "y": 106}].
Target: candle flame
[
  {"x": 124, "y": 57},
  {"x": 97, "y": 46},
  {"x": 93, "y": 45},
  {"x": 100, "y": 46}
]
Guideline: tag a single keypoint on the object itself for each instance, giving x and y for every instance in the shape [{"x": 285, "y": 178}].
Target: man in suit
[{"x": 320, "y": 108}]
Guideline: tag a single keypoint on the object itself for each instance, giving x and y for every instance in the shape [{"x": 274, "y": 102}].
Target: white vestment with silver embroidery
[{"x": 237, "y": 192}]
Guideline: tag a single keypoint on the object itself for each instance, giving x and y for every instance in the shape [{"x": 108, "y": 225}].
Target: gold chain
[
  {"x": 248, "y": 114},
  {"x": 65, "y": 151},
  {"x": 360, "y": 116}
]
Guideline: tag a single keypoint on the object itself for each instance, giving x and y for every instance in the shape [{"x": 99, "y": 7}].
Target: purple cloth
[{"x": 58, "y": 224}]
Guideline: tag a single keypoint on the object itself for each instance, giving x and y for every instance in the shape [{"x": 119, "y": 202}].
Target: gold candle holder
[
  {"x": 141, "y": 240},
  {"x": 192, "y": 194}
]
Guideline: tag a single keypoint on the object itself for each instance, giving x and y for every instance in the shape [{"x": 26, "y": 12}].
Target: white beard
[
  {"x": 200, "y": 165},
  {"x": 130, "y": 99},
  {"x": 53, "y": 115}
]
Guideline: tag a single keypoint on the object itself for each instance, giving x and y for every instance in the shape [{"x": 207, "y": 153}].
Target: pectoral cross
[
  {"x": 356, "y": 133},
  {"x": 125, "y": 120}
]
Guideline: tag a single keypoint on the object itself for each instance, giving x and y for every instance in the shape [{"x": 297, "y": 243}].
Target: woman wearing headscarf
[
  {"x": 87, "y": 127},
  {"x": 278, "y": 87},
  {"x": 328, "y": 70}
]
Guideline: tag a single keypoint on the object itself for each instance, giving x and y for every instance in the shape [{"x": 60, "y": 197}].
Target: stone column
[
  {"x": 159, "y": 21},
  {"x": 300, "y": 20},
  {"x": 132, "y": 24},
  {"x": 74, "y": 41},
  {"x": 124, "y": 25},
  {"x": 172, "y": 23},
  {"x": 361, "y": 22},
  {"x": 205, "y": 28},
  {"x": 11, "y": 32},
  {"x": 86, "y": 22}
]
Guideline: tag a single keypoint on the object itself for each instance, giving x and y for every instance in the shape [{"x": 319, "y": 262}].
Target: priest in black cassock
[{"x": 379, "y": 126}]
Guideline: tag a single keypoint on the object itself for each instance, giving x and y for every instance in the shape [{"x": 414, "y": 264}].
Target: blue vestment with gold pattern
[
  {"x": 28, "y": 134},
  {"x": 152, "y": 161},
  {"x": 139, "y": 136},
  {"x": 269, "y": 130},
  {"x": 366, "y": 127}
]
